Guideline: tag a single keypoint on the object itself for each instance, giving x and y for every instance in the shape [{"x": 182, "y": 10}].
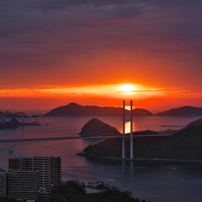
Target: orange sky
[{"x": 53, "y": 54}]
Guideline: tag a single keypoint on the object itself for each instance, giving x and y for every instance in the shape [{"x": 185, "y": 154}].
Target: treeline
[
  {"x": 185, "y": 144},
  {"x": 72, "y": 191},
  {"x": 6, "y": 199}
]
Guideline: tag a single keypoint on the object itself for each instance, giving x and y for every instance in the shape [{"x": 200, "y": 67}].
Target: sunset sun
[{"x": 127, "y": 88}]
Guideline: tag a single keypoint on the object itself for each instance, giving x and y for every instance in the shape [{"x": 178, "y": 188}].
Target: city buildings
[
  {"x": 3, "y": 182},
  {"x": 49, "y": 168},
  {"x": 23, "y": 184},
  {"x": 31, "y": 178}
]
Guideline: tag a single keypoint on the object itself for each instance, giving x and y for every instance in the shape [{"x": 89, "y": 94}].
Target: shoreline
[
  {"x": 146, "y": 161},
  {"x": 155, "y": 159}
]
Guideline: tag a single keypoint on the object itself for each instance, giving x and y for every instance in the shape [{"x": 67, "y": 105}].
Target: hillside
[
  {"x": 185, "y": 144},
  {"x": 182, "y": 111},
  {"x": 195, "y": 123},
  {"x": 74, "y": 109},
  {"x": 73, "y": 191},
  {"x": 95, "y": 127}
]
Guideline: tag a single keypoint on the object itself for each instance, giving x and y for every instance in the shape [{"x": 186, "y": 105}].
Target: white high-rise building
[
  {"x": 23, "y": 184},
  {"x": 42, "y": 172},
  {"x": 49, "y": 168}
]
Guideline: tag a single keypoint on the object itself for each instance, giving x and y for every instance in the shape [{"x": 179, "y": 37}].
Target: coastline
[
  {"x": 145, "y": 161},
  {"x": 156, "y": 159}
]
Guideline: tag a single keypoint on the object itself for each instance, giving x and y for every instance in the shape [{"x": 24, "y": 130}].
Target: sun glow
[
  {"x": 116, "y": 91},
  {"x": 127, "y": 89}
]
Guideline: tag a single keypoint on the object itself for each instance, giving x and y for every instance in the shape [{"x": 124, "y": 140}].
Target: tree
[
  {"x": 5, "y": 199},
  {"x": 55, "y": 198}
]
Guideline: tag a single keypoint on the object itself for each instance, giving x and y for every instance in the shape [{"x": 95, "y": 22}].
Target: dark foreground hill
[
  {"x": 195, "y": 123},
  {"x": 74, "y": 109},
  {"x": 185, "y": 144},
  {"x": 72, "y": 191},
  {"x": 182, "y": 111}
]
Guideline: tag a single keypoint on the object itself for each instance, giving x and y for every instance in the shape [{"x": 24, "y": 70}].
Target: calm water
[{"x": 171, "y": 182}]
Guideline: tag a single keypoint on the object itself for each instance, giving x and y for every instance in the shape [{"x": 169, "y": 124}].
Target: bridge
[
  {"x": 78, "y": 137},
  {"x": 123, "y": 136}
]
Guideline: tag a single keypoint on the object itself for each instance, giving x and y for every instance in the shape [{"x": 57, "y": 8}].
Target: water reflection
[
  {"x": 131, "y": 169},
  {"x": 127, "y": 127}
]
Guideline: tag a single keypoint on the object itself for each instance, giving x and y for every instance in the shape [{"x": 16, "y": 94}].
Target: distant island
[
  {"x": 184, "y": 144},
  {"x": 8, "y": 125},
  {"x": 9, "y": 114},
  {"x": 182, "y": 111},
  {"x": 76, "y": 110},
  {"x": 14, "y": 123}
]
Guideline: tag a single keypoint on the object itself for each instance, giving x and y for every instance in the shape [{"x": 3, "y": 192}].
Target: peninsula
[{"x": 184, "y": 144}]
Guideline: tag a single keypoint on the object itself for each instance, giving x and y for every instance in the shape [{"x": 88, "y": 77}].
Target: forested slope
[{"x": 185, "y": 144}]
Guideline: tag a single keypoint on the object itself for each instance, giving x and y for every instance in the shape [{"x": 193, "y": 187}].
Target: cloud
[{"x": 53, "y": 41}]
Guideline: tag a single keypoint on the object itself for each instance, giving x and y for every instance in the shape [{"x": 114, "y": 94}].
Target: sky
[{"x": 56, "y": 52}]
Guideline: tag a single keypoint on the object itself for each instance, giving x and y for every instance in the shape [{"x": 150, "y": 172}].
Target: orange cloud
[{"x": 113, "y": 91}]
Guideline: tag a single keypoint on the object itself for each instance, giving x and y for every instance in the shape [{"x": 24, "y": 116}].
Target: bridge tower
[{"x": 131, "y": 130}]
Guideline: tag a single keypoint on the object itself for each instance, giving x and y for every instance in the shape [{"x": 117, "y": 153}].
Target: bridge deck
[{"x": 70, "y": 138}]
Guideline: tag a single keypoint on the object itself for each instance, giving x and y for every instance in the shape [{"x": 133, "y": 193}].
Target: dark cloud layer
[{"x": 70, "y": 35}]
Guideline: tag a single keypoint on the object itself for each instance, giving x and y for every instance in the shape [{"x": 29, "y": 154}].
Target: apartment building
[
  {"x": 23, "y": 184},
  {"x": 28, "y": 174},
  {"x": 3, "y": 182},
  {"x": 49, "y": 168}
]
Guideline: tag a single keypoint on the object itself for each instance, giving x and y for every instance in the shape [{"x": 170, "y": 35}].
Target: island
[
  {"x": 8, "y": 125},
  {"x": 13, "y": 123},
  {"x": 9, "y": 114},
  {"x": 73, "y": 109},
  {"x": 76, "y": 110},
  {"x": 95, "y": 127},
  {"x": 182, "y": 111}
]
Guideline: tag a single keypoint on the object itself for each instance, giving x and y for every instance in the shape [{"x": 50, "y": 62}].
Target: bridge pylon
[{"x": 131, "y": 130}]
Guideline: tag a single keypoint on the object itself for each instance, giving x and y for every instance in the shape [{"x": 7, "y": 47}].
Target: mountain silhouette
[
  {"x": 182, "y": 111},
  {"x": 74, "y": 109}
]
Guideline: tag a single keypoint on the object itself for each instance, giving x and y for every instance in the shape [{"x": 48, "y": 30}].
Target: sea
[{"x": 154, "y": 181}]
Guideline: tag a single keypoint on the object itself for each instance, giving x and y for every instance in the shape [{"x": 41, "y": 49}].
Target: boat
[{"x": 81, "y": 153}]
